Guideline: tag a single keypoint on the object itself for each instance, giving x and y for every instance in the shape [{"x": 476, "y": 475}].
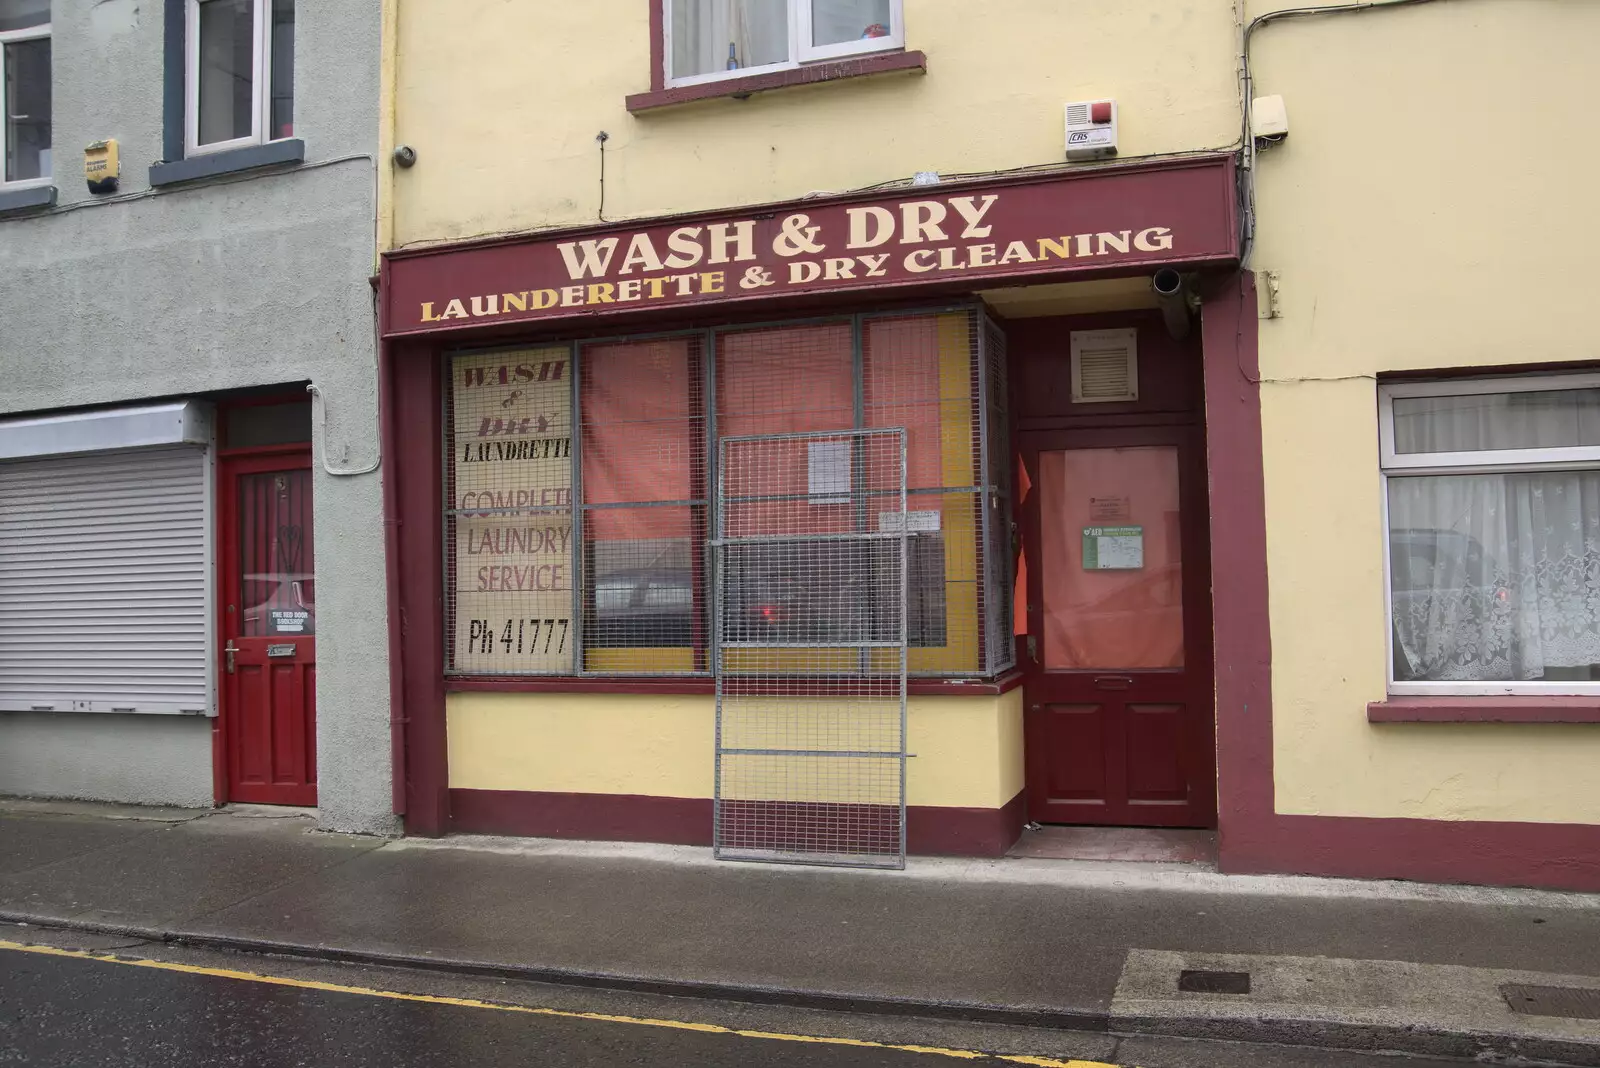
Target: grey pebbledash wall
[{"x": 246, "y": 279}]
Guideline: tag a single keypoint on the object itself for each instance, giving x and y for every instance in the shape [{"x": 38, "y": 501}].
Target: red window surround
[
  {"x": 693, "y": 686},
  {"x": 660, "y": 96},
  {"x": 1515, "y": 709}
]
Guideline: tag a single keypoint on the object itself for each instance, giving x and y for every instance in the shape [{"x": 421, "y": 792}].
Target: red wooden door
[
  {"x": 1118, "y": 657},
  {"x": 269, "y": 650}
]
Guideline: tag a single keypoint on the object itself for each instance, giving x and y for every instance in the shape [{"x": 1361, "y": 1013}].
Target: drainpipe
[
  {"x": 1175, "y": 300},
  {"x": 391, "y": 554}
]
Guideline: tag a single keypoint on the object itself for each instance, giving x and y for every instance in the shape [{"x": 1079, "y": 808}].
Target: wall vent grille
[{"x": 1105, "y": 366}]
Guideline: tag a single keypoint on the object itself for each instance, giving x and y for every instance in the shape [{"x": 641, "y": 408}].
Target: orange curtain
[
  {"x": 639, "y": 438},
  {"x": 1110, "y": 618},
  {"x": 782, "y": 380},
  {"x": 902, "y": 389}
]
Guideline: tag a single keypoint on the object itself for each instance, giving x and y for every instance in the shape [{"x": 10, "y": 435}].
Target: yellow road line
[{"x": 474, "y": 1003}]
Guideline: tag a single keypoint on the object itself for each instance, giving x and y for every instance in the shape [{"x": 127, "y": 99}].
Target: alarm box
[
  {"x": 1091, "y": 129},
  {"x": 100, "y": 167}
]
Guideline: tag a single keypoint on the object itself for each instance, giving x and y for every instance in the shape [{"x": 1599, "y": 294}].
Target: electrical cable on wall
[
  {"x": 319, "y": 401},
  {"x": 601, "y": 138},
  {"x": 1248, "y": 193}
]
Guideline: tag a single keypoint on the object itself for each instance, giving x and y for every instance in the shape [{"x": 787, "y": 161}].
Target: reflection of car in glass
[
  {"x": 642, "y": 607},
  {"x": 280, "y": 591},
  {"x": 839, "y": 591},
  {"x": 1434, "y": 572},
  {"x": 1424, "y": 559}
]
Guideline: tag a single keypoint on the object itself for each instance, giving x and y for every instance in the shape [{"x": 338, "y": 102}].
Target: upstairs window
[
  {"x": 25, "y": 90},
  {"x": 240, "y": 75},
  {"x": 708, "y": 40}
]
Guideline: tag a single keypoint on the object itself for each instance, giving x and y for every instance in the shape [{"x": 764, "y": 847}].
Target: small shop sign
[
  {"x": 288, "y": 621},
  {"x": 1113, "y": 548},
  {"x": 918, "y": 522}
]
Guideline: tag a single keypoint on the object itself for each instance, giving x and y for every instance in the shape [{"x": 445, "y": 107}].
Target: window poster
[{"x": 511, "y": 474}]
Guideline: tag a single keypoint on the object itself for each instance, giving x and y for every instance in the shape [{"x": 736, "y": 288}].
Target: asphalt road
[
  {"x": 179, "y": 1008},
  {"x": 57, "y": 1010}
]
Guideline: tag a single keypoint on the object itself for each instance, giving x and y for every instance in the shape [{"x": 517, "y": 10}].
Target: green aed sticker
[{"x": 1113, "y": 548}]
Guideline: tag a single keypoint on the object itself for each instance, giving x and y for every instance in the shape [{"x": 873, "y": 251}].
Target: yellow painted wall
[
  {"x": 1432, "y": 207},
  {"x": 968, "y": 749},
  {"x": 502, "y": 101}
]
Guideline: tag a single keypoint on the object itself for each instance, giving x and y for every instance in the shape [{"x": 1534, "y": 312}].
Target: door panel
[
  {"x": 1077, "y": 737},
  {"x": 1118, "y": 679},
  {"x": 1155, "y": 755},
  {"x": 268, "y": 630}
]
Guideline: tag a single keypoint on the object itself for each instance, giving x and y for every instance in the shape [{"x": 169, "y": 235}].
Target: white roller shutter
[{"x": 103, "y": 582}]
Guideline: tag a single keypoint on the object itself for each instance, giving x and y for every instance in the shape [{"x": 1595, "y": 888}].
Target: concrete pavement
[{"x": 1062, "y": 944}]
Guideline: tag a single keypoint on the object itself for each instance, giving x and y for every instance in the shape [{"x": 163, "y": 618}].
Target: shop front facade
[
  {"x": 604, "y": 629},
  {"x": 191, "y": 583},
  {"x": 569, "y": 443},
  {"x": 610, "y": 440},
  {"x": 1136, "y": 575}
]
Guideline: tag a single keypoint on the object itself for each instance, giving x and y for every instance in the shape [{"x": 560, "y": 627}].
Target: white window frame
[
  {"x": 1484, "y": 462},
  {"x": 30, "y": 33},
  {"x": 800, "y": 52},
  {"x": 261, "y": 76}
]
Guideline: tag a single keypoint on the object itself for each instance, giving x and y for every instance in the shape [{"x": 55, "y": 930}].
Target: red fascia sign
[{"x": 1040, "y": 228}]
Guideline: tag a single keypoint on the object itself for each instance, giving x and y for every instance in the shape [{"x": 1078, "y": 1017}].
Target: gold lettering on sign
[{"x": 948, "y": 236}]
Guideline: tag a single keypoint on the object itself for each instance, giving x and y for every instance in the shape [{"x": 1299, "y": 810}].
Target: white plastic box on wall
[{"x": 1091, "y": 129}]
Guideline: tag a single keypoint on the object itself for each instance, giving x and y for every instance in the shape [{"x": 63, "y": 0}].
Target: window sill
[
  {"x": 655, "y": 684},
  {"x": 810, "y": 74},
  {"x": 212, "y": 164},
  {"x": 28, "y": 198},
  {"x": 1567, "y": 708}
]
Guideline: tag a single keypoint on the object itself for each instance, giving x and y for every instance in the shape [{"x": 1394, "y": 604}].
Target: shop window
[
  {"x": 1493, "y": 503},
  {"x": 619, "y": 582},
  {"x": 239, "y": 80},
  {"x": 709, "y": 40},
  {"x": 25, "y": 91},
  {"x": 643, "y": 505}
]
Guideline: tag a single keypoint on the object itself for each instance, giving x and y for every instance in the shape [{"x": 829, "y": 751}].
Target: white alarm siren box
[{"x": 1091, "y": 129}]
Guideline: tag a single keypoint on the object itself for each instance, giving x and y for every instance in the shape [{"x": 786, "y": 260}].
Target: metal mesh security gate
[{"x": 810, "y": 650}]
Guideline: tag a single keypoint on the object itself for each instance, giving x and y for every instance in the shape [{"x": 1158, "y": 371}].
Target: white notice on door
[
  {"x": 926, "y": 522},
  {"x": 828, "y": 472},
  {"x": 1113, "y": 548}
]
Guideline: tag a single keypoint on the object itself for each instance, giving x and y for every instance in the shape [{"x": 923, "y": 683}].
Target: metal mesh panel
[
  {"x": 509, "y": 560},
  {"x": 810, "y": 650},
  {"x": 920, "y": 371},
  {"x": 1001, "y": 645}
]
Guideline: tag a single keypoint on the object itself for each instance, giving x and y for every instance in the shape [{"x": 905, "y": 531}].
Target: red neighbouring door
[
  {"x": 269, "y": 649},
  {"x": 1118, "y": 688}
]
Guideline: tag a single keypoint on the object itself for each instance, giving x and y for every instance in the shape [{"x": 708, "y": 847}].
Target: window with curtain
[
  {"x": 1493, "y": 495},
  {"x": 625, "y": 574},
  {"x": 711, "y": 39}
]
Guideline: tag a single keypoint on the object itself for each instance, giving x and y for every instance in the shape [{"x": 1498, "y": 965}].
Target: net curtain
[
  {"x": 707, "y": 34},
  {"x": 1495, "y": 577}
]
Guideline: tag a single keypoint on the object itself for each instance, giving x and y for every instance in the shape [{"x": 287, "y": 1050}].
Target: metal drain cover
[
  {"x": 1568, "y": 1002},
  {"x": 1201, "y": 981}
]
